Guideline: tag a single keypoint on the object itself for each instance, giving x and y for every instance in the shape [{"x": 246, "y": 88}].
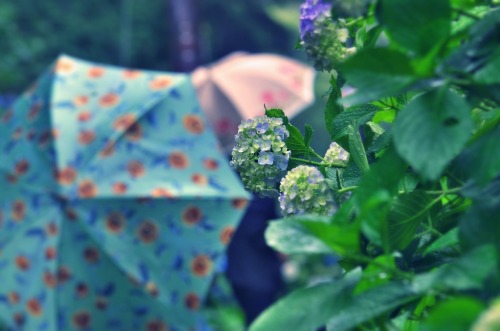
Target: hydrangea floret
[
  {"x": 323, "y": 39},
  {"x": 260, "y": 155},
  {"x": 336, "y": 153},
  {"x": 304, "y": 191}
]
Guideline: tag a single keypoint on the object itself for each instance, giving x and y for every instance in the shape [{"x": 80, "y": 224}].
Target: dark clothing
[{"x": 254, "y": 269}]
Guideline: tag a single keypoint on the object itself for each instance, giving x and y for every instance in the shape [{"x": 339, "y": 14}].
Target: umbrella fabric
[
  {"x": 238, "y": 86},
  {"x": 115, "y": 205}
]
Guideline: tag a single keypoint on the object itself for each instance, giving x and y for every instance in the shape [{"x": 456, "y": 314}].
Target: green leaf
[
  {"x": 308, "y": 309},
  {"x": 377, "y": 73},
  {"x": 357, "y": 149},
  {"x": 374, "y": 195},
  {"x": 358, "y": 114},
  {"x": 341, "y": 237},
  {"x": 490, "y": 73},
  {"x": 467, "y": 272},
  {"x": 370, "y": 304},
  {"x": 481, "y": 160},
  {"x": 447, "y": 240},
  {"x": 333, "y": 108},
  {"x": 295, "y": 142},
  {"x": 308, "y": 135},
  {"x": 416, "y": 25},
  {"x": 375, "y": 274},
  {"x": 431, "y": 130},
  {"x": 406, "y": 214},
  {"x": 457, "y": 314},
  {"x": 381, "y": 142},
  {"x": 290, "y": 236},
  {"x": 277, "y": 113}
]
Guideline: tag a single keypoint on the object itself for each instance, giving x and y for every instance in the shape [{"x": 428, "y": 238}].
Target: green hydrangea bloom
[
  {"x": 336, "y": 153},
  {"x": 305, "y": 191},
  {"x": 260, "y": 155}
]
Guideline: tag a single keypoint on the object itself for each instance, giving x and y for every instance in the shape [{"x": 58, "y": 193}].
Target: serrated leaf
[
  {"x": 358, "y": 115},
  {"x": 381, "y": 142},
  {"x": 457, "y": 314},
  {"x": 295, "y": 141},
  {"x": 289, "y": 236},
  {"x": 277, "y": 113},
  {"x": 308, "y": 135},
  {"x": 405, "y": 215},
  {"x": 448, "y": 239},
  {"x": 341, "y": 237},
  {"x": 356, "y": 148},
  {"x": 431, "y": 130},
  {"x": 309, "y": 308},
  {"x": 377, "y": 73},
  {"x": 333, "y": 107},
  {"x": 481, "y": 160},
  {"x": 416, "y": 25},
  {"x": 375, "y": 274}
]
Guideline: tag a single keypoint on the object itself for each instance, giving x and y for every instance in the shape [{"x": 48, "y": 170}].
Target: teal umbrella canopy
[{"x": 115, "y": 203}]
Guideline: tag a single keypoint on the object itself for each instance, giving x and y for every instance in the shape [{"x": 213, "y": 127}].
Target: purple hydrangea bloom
[
  {"x": 266, "y": 158},
  {"x": 310, "y": 11}
]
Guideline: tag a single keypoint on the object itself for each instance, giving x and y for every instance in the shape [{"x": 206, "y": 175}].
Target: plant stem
[
  {"x": 347, "y": 189},
  {"x": 451, "y": 190},
  {"x": 319, "y": 164}
]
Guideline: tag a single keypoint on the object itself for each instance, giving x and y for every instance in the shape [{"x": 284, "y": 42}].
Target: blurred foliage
[{"x": 130, "y": 33}]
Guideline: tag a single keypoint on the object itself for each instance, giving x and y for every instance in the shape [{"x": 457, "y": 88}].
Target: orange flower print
[
  {"x": 51, "y": 229},
  {"x": 191, "y": 215},
  {"x": 82, "y": 320},
  {"x": 91, "y": 255},
  {"x": 131, "y": 74},
  {"x": 201, "y": 265},
  {"x": 199, "y": 179},
  {"x": 87, "y": 189},
  {"x": 115, "y": 222},
  {"x": 226, "y": 234},
  {"x": 101, "y": 303},
  {"x": 18, "y": 210},
  {"x": 239, "y": 203},
  {"x": 192, "y": 301},
  {"x": 161, "y": 193},
  {"x": 13, "y": 298},
  {"x": 49, "y": 279},
  {"x": 81, "y": 290},
  {"x": 86, "y": 137},
  {"x": 119, "y": 188},
  {"x": 63, "y": 274},
  {"x": 35, "y": 110},
  {"x": 160, "y": 82},
  {"x": 95, "y": 72},
  {"x": 7, "y": 115},
  {"x": 44, "y": 138},
  {"x": 80, "y": 100},
  {"x": 135, "y": 169},
  {"x": 66, "y": 176},
  {"x": 210, "y": 164},
  {"x": 147, "y": 232},
  {"x": 18, "y": 132},
  {"x": 109, "y": 100},
  {"x": 22, "y": 263},
  {"x": 156, "y": 326},
  {"x": 178, "y": 160},
  {"x": 71, "y": 214},
  {"x": 50, "y": 253},
  {"x": 152, "y": 289},
  {"x": 123, "y": 122},
  {"x": 22, "y": 167},
  {"x": 84, "y": 116},
  {"x": 64, "y": 66},
  {"x": 134, "y": 132},
  {"x": 193, "y": 124},
  {"x": 19, "y": 319},
  {"x": 108, "y": 150},
  {"x": 33, "y": 307}
]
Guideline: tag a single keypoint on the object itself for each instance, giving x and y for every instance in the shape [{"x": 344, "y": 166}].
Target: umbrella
[
  {"x": 238, "y": 86},
  {"x": 115, "y": 205}
]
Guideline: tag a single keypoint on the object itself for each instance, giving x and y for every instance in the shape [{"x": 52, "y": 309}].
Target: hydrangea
[
  {"x": 304, "y": 190},
  {"x": 260, "y": 155},
  {"x": 323, "y": 39},
  {"x": 336, "y": 153}
]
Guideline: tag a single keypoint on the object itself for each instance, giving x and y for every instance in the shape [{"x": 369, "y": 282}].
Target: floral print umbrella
[
  {"x": 238, "y": 86},
  {"x": 115, "y": 205}
]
